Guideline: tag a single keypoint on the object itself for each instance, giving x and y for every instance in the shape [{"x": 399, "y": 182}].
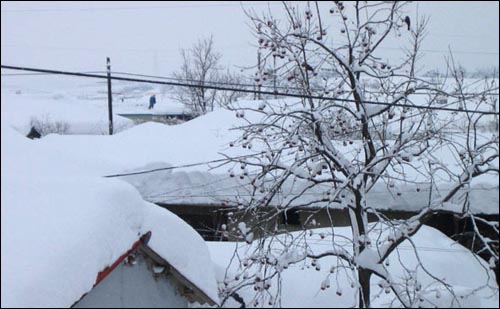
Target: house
[
  {"x": 208, "y": 219},
  {"x": 170, "y": 118},
  {"x": 214, "y": 205},
  {"x": 141, "y": 278},
  {"x": 96, "y": 262},
  {"x": 122, "y": 256},
  {"x": 220, "y": 221}
]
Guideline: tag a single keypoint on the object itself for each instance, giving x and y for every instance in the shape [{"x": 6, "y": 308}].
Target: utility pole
[{"x": 110, "y": 98}]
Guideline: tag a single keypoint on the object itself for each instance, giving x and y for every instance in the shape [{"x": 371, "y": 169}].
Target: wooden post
[{"x": 110, "y": 98}]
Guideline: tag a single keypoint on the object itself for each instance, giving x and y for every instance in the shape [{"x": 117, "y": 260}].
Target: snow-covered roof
[
  {"x": 62, "y": 224},
  {"x": 153, "y": 145},
  {"x": 204, "y": 188},
  {"x": 301, "y": 284}
]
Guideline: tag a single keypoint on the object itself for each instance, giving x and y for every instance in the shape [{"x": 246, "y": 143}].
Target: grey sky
[{"x": 145, "y": 37}]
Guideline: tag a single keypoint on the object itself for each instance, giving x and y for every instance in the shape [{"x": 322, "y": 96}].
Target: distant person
[{"x": 152, "y": 101}]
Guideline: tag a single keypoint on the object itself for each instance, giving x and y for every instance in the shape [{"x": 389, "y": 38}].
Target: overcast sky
[{"x": 145, "y": 37}]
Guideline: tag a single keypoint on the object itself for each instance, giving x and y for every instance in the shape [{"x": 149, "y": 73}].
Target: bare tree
[
  {"x": 45, "y": 125},
  {"x": 337, "y": 144},
  {"x": 201, "y": 67}
]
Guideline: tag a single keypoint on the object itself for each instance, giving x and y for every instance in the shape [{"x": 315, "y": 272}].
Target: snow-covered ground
[
  {"x": 67, "y": 116},
  {"x": 85, "y": 94}
]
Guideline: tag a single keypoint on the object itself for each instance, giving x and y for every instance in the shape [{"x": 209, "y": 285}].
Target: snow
[
  {"x": 205, "y": 188},
  {"x": 302, "y": 284},
  {"x": 153, "y": 145},
  {"x": 182, "y": 247},
  {"x": 20, "y": 110},
  {"x": 81, "y": 103},
  {"x": 203, "y": 185},
  {"x": 60, "y": 217},
  {"x": 368, "y": 260},
  {"x": 62, "y": 223}
]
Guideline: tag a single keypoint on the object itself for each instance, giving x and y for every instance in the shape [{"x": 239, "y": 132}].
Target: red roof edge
[{"x": 106, "y": 271}]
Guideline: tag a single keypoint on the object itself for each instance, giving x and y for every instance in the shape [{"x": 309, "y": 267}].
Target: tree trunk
[{"x": 364, "y": 285}]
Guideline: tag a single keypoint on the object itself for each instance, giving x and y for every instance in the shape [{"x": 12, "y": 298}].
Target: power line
[
  {"x": 265, "y": 86},
  {"x": 94, "y": 9},
  {"x": 191, "y": 5},
  {"x": 202, "y": 185},
  {"x": 442, "y": 34},
  {"x": 275, "y": 93},
  {"x": 224, "y": 160},
  {"x": 99, "y": 49},
  {"x": 162, "y": 50},
  {"x": 227, "y": 160},
  {"x": 217, "y": 82},
  {"x": 447, "y": 51},
  {"x": 43, "y": 74},
  {"x": 167, "y": 168}
]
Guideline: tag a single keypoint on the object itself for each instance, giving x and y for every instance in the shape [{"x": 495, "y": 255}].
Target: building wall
[
  {"x": 207, "y": 219},
  {"x": 167, "y": 119},
  {"x": 134, "y": 285}
]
